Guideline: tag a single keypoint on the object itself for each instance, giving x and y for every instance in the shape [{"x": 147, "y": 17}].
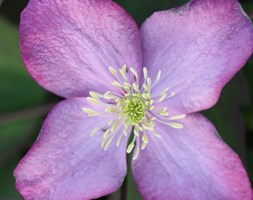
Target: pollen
[{"x": 134, "y": 107}]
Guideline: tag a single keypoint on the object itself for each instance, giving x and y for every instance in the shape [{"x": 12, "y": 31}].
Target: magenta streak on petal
[
  {"x": 191, "y": 163},
  {"x": 68, "y": 47},
  {"x": 66, "y": 162},
  {"x": 199, "y": 47}
]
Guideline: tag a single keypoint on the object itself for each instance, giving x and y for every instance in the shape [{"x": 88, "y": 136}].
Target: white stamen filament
[{"x": 134, "y": 106}]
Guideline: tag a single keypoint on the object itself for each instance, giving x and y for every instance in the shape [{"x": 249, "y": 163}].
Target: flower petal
[
  {"x": 199, "y": 47},
  {"x": 68, "y": 47},
  {"x": 66, "y": 162},
  {"x": 191, "y": 163}
]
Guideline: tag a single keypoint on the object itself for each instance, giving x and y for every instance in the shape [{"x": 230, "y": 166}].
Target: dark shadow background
[{"x": 24, "y": 105}]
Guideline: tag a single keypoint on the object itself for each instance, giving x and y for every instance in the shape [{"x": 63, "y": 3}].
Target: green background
[{"x": 24, "y": 104}]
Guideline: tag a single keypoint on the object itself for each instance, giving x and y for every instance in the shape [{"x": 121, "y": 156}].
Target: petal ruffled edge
[
  {"x": 67, "y": 48},
  {"x": 198, "y": 47},
  {"x": 191, "y": 163}
]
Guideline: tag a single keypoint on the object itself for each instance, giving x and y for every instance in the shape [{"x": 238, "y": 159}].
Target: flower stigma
[{"x": 133, "y": 107}]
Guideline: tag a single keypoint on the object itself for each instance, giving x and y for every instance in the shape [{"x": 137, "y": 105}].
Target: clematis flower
[{"x": 147, "y": 85}]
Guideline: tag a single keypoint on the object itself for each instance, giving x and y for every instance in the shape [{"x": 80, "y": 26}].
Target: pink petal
[
  {"x": 66, "y": 162},
  {"x": 191, "y": 163},
  {"x": 199, "y": 47},
  {"x": 68, "y": 46}
]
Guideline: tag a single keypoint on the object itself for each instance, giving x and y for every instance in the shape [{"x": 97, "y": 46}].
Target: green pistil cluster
[{"x": 134, "y": 109}]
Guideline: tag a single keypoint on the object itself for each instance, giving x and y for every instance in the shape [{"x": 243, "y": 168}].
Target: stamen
[
  {"x": 164, "y": 112},
  {"x": 136, "y": 152},
  {"x": 152, "y": 107},
  {"x": 145, "y": 138},
  {"x": 177, "y": 117},
  {"x": 123, "y": 72},
  {"x": 94, "y": 131},
  {"x": 156, "y": 134},
  {"x": 116, "y": 83},
  {"x": 137, "y": 149},
  {"x": 135, "y": 74},
  {"x": 176, "y": 125},
  {"x": 109, "y": 142},
  {"x": 164, "y": 95},
  {"x": 113, "y": 71},
  {"x": 173, "y": 125},
  {"x": 145, "y": 73},
  {"x": 120, "y": 139},
  {"x": 132, "y": 107},
  {"x": 93, "y": 100},
  {"x": 130, "y": 147},
  {"x": 95, "y": 95},
  {"x": 91, "y": 112},
  {"x": 158, "y": 75},
  {"x": 143, "y": 146}
]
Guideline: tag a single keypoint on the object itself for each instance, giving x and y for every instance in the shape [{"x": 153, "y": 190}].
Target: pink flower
[{"x": 91, "y": 53}]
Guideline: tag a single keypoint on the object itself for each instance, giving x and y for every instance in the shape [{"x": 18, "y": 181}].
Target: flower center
[{"x": 134, "y": 106}]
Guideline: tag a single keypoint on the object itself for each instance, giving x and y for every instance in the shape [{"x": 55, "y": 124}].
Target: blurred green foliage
[
  {"x": 17, "y": 92},
  {"x": 20, "y": 96}
]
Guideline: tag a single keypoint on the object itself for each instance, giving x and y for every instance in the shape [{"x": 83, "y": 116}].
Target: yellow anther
[
  {"x": 136, "y": 130},
  {"x": 152, "y": 108},
  {"x": 156, "y": 134},
  {"x": 126, "y": 127},
  {"x": 164, "y": 95},
  {"x": 145, "y": 96},
  {"x": 114, "y": 126},
  {"x": 136, "y": 153},
  {"x": 177, "y": 117},
  {"x": 108, "y": 143},
  {"x": 150, "y": 123},
  {"x": 123, "y": 72},
  {"x": 164, "y": 113},
  {"x": 124, "y": 68},
  {"x": 136, "y": 87},
  {"x": 113, "y": 71},
  {"x": 94, "y": 131},
  {"x": 145, "y": 88},
  {"x": 91, "y": 112},
  {"x": 172, "y": 94},
  {"x": 120, "y": 139},
  {"x": 149, "y": 82},
  {"x": 153, "y": 118},
  {"x": 127, "y": 84},
  {"x": 107, "y": 95},
  {"x": 145, "y": 138},
  {"x": 145, "y": 126},
  {"x": 165, "y": 90},
  {"x": 107, "y": 133},
  {"x": 176, "y": 125},
  {"x": 95, "y": 95},
  {"x": 134, "y": 73},
  {"x": 116, "y": 83},
  {"x": 110, "y": 122},
  {"x": 158, "y": 75},
  {"x": 103, "y": 142},
  {"x": 93, "y": 100},
  {"x": 145, "y": 73},
  {"x": 143, "y": 146},
  {"x": 151, "y": 102},
  {"x": 130, "y": 147},
  {"x": 110, "y": 109}
]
